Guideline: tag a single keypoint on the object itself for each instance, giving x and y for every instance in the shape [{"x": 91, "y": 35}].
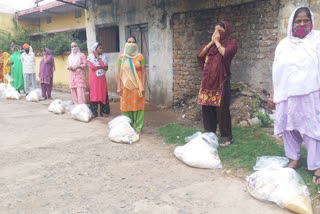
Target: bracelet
[{"x": 219, "y": 47}]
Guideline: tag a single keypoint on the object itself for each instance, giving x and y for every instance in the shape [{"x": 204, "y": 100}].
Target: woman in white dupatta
[{"x": 296, "y": 90}]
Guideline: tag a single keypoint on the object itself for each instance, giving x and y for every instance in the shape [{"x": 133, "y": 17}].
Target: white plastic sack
[
  {"x": 283, "y": 186},
  {"x": 56, "y": 107},
  {"x": 117, "y": 120},
  {"x": 121, "y": 130},
  {"x": 270, "y": 162},
  {"x": 81, "y": 112},
  {"x": 200, "y": 151},
  {"x": 2, "y": 87},
  {"x": 34, "y": 96},
  {"x": 11, "y": 93}
]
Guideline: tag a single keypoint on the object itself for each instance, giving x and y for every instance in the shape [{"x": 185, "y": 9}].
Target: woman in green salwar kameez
[{"x": 16, "y": 70}]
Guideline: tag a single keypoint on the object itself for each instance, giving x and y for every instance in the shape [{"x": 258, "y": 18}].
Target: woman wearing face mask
[
  {"x": 131, "y": 83},
  {"x": 98, "y": 64},
  {"x": 77, "y": 62},
  {"x": 47, "y": 67},
  {"x": 215, "y": 60},
  {"x": 296, "y": 90}
]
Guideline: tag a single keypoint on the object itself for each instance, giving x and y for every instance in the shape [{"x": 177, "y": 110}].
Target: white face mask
[{"x": 74, "y": 50}]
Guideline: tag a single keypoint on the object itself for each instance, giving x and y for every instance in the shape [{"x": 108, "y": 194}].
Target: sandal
[
  {"x": 317, "y": 178},
  {"x": 226, "y": 141}
]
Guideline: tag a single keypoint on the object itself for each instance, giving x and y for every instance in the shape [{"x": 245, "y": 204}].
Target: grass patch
[{"x": 249, "y": 143}]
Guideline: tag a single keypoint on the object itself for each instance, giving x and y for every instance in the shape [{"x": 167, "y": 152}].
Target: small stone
[
  {"x": 254, "y": 121},
  {"x": 243, "y": 123},
  {"x": 228, "y": 171}
]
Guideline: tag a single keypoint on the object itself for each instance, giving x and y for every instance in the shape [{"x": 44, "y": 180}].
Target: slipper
[
  {"x": 226, "y": 141},
  {"x": 317, "y": 178}
]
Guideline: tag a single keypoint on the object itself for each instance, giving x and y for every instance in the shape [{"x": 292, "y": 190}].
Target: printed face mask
[{"x": 301, "y": 31}]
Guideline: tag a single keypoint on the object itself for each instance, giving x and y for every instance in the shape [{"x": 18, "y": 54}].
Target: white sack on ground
[
  {"x": 283, "y": 186},
  {"x": 121, "y": 130},
  {"x": 11, "y": 93},
  {"x": 200, "y": 151},
  {"x": 34, "y": 96},
  {"x": 81, "y": 112},
  {"x": 56, "y": 107}
]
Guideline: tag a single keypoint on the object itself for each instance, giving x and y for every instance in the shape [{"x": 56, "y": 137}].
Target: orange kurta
[{"x": 130, "y": 100}]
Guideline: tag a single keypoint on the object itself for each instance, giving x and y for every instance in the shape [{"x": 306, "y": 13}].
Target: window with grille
[{"x": 109, "y": 38}]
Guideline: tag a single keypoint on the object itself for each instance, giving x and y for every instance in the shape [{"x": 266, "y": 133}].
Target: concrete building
[{"x": 171, "y": 31}]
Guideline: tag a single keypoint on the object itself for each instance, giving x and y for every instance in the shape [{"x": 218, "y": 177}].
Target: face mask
[
  {"x": 301, "y": 31},
  {"x": 74, "y": 50},
  {"x": 131, "y": 49},
  {"x": 27, "y": 51}
]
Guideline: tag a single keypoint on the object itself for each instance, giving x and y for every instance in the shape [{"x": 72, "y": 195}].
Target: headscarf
[
  {"x": 49, "y": 58},
  {"x": 25, "y": 46},
  {"x": 296, "y": 67},
  {"x": 74, "y": 57},
  {"x": 91, "y": 58},
  {"x": 16, "y": 56},
  {"x": 128, "y": 73},
  {"x": 215, "y": 73}
]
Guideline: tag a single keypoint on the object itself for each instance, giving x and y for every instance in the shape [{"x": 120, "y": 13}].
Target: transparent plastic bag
[
  {"x": 117, "y": 120},
  {"x": 283, "y": 186},
  {"x": 2, "y": 87},
  {"x": 11, "y": 93},
  {"x": 122, "y": 132},
  {"x": 56, "y": 107},
  {"x": 200, "y": 151},
  {"x": 270, "y": 162},
  {"x": 8, "y": 78},
  {"x": 34, "y": 96},
  {"x": 81, "y": 112}
]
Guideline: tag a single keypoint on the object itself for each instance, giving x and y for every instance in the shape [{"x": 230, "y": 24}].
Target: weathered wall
[
  {"x": 255, "y": 29},
  {"x": 61, "y": 74},
  {"x": 158, "y": 15}
]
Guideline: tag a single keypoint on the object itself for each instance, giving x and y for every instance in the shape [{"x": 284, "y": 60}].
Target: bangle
[{"x": 219, "y": 47}]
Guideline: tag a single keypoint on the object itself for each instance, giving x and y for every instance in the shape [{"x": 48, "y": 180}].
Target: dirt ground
[{"x": 52, "y": 164}]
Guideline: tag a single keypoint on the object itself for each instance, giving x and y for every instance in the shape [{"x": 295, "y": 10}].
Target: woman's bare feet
[
  {"x": 316, "y": 177},
  {"x": 293, "y": 164}
]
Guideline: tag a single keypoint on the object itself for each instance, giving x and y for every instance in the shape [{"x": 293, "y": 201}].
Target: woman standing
[
  {"x": 215, "y": 60},
  {"x": 98, "y": 65},
  {"x": 77, "y": 62},
  {"x": 47, "y": 67},
  {"x": 131, "y": 83},
  {"x": 16, "y": 66},
  {"x": 6, "y": 66},
  {"x": 296, "y": 95}
]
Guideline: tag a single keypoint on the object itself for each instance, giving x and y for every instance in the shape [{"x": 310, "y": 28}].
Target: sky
[{"x": 11, "y": 6}]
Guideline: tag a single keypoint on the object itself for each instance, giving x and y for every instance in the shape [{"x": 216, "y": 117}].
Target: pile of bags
[
  {"x": 34, "y": 96},
  {"x": 121, "y": 130},
  {"x": 200, "y": 151},
  {"x": 79, "y": 112},
  {"x": 283, "y": 186}
]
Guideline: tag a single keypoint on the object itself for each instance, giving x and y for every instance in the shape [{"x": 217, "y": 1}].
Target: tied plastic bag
[
  {"x": 200, "y": 151},
  {"x": 34, "y": 96},
  {"x": 11, "y": 93},
  {"x": 283, "y": 186},
  {"x": 81, "y": 112},
  {"x": 8, "y": 78},
  {"x": 56, "y": 107},
  {"x": 121, "y": 130}
]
